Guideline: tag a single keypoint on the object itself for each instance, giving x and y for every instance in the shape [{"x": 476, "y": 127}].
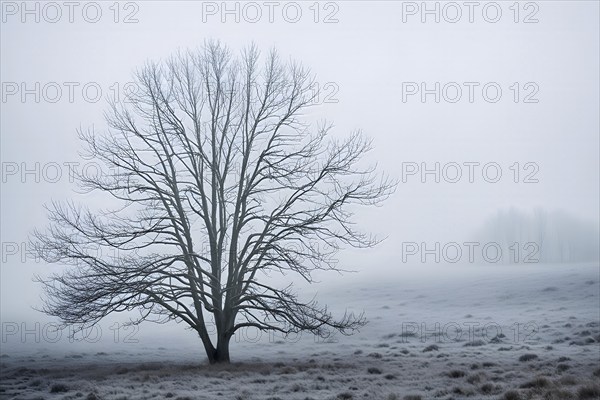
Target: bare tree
[{"x": 219, "y": 183}]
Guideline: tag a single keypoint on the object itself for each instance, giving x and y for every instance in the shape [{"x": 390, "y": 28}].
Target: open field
[{"x": 514, "y": 332}]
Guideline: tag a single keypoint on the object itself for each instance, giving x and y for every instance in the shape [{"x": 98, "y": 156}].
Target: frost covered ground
[{"x": 512, "y": 332}]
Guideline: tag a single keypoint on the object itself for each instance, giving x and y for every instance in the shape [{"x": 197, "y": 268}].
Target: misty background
[{"x": 366, "y": 60}]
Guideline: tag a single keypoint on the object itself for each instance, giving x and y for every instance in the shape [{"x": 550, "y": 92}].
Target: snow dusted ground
[{"x": 510, "y": 332}]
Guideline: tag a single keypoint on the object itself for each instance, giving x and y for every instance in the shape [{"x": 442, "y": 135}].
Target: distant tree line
[{"x": 548, "y": 237}]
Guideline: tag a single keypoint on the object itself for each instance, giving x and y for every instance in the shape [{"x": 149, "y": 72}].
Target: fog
[{"x": 517, "y": 162}]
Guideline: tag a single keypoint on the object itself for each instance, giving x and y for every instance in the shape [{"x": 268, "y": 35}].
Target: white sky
[{"x": 367, "y": 55}]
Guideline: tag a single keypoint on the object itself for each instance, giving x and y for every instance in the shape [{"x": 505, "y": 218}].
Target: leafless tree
[{"x": 219, "y": 183}]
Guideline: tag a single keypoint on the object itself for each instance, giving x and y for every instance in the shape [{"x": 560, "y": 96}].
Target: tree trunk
[{"x": 221, "y": 353}]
